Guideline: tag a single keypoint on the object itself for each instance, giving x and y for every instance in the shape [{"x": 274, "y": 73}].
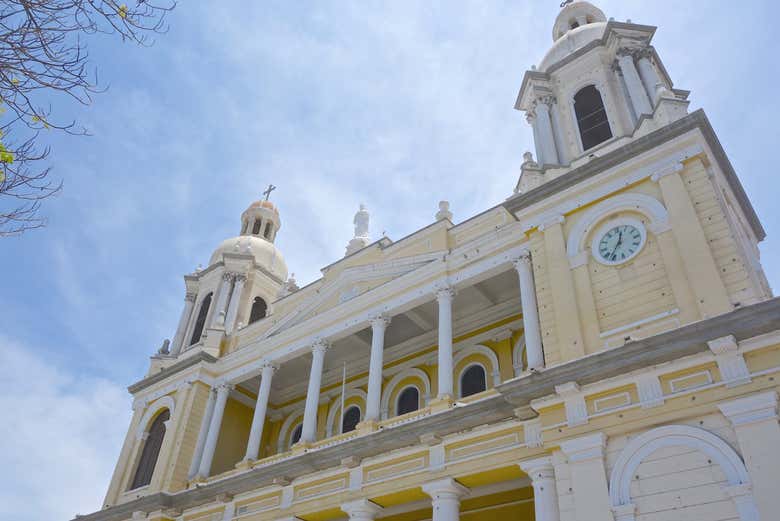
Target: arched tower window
[
  {"x": 256, "y": 227},
  {"x": 591, "y": 117},
  {"x": 259, "y": 310},
  {"x": 408, "y": 400},
  {"x": 151, "y": 451},
  {"x": 473, "y": 381},
  {"x": 268, "y": 228},
  {"x": 351, "y": 419},
  {"x": 296, "y": 435},
  {"x": 197, "y": 331}
]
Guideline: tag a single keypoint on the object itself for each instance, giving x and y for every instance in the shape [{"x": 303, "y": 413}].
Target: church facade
[{"x": 603, "y": 345}]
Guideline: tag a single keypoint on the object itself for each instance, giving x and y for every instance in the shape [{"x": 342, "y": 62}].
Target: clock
[{"x": 618, "y": 241}]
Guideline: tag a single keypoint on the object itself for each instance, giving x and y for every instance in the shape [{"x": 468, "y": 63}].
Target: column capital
[
  {"x": 627, "y": 52},
  {"x": 190, "y": 297},
  {"x": 548, "y": 101},
  {"x": 550, "y": 221},
  {"x": 522, "y": 261},
  {"x": 269, "y": 365},
  {"x": 379, "y": 321},
  {"x": 538, "y": 469},
  {"x": 320, "y": 346},
  {"x": 585, "y": 448},
  {"x": 361, "y": 509},
  {"x": 224, "y": 387},
  {"x": 756, "y": 408},
  {"x": 670, "y": 169},
  {"x": 446, "y": 488},
  {"x": 240, "y": 277},
  {"x": 445, "y": 294},
  {"x": 228, "y": 276}
]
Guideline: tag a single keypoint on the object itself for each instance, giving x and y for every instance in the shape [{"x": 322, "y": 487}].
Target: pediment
[{"x": 350, "y": 283}]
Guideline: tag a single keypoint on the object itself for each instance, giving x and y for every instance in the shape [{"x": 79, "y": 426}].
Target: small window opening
[
  {"x": 408, "y": 401},
  {"x": 296, "y": 435},
  {"x": 200, "y": 322},
  {"x": 591, "y": 117},
  {"x": 259, "y": 309},
  {"x": 351, "y": 419},
  {"x": 267, "y": 232},
  {"x": 574, "y": 24},
  {"x": 151, "y": 451},
  {"x": 256, "y": 227},
  {"x": 473, "y": 381}
]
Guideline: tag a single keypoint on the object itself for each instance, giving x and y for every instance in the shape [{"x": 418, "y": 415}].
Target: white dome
[
  {"x": 572, "y": 41},
  {"x": 266, "y": 255}
]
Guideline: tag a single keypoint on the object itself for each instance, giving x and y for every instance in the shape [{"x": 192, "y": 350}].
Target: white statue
[{"x": 361, "y": 222}]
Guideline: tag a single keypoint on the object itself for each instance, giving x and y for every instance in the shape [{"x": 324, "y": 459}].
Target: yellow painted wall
[
  {"x": 552, "y": 353},
  {"x": 233, "y": 437}
]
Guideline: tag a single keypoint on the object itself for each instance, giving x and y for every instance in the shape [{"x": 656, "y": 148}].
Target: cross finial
[
  {"x": 566, "y": 2},
  {"x": 268, "y": 191}
]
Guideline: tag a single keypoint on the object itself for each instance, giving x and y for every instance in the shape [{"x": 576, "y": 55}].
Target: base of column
[
  {"x": 197, "y": 480},
  {"x": 244, "y": 464},
  {"x": 441, "y": 403},
  {"x": 367, "y": 427},
  {"x": 301, "y": 447}
]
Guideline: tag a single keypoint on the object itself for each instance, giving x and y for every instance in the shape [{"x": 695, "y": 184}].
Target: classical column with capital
[
  {"x": 444, "y": 298},
  {"x": 361, "y": 510},
  {"x": 218, "y": 315},
  {"x": 223, "y": 391},
  {"x": 636, "y": 91},
  {"x": 445, "y": 495},
  {"x": 202, "y": 434},
  {"x": 235, "y": 300},
  {"x": 378, "y": 327},
  {"x": 261, "y": 407},
  {"x": 648, "y": 73},
  {"x": 542, "y": 474},
  {"x": 546, "y": 150},
  {"x": 309, "y": 432},
  {"x": 531, "y": 329},
  {"x": 184, "y": 320}
]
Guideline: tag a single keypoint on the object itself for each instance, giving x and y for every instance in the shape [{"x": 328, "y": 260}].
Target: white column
[
  {"x": 223, "y": 390},
  {"x": 444, "y": 298},
  {"x": 542, "y": 474},
  {"x": 309, "y": 432},
  {"x": 531, "y": 328},
  {"x": 202, "y": 434},
  {"x": 261, "y": 406},
  {"x": 446, "y": 494},
  {"x": 378, "y": 327},
  {"x": 588, "y": 477},
  {"x": 755, "y": 421},
  {"x": 546, "y": 136},
  {"x": 361, "y": 510},
  {"x": 218, "y": 315},
  {"x": 235, "y": 300},
  {"x": 649, "y": 75},
  {"x": 636, "y": 91},
  {"x": 184, "y": 320}
]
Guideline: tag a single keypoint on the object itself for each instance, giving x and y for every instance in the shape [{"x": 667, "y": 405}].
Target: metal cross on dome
[
  {"x": 566, "y": 2},
  {"x": 268, "y": 191}
]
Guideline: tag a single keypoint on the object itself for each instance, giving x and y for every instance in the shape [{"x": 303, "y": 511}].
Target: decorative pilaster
[
  {"x": 235, "y": 301},
  {"x": 261, "y": 407},
  {"x": 542, "y": 474},
  {"x": 445, "y": 494},
  {"x": 373, "y": 400},
  {"x": 444, "y": 298},
  {"x": 731, "y": 363},
  {"x": 184, "y": 320},
  {"x": 588, "y": 477},
  {"x": 636, "y": 91},
  {"x": 309, "y": 432},
  {"x": 361, "y": 510},
  {"x": 531, "y": 329},
  {"x": 755, "y": 422},
  {"x": 223, "y": 391}
]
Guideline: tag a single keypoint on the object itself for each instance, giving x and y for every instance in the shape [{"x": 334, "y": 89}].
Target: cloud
[{"x": 61, "y": 436}]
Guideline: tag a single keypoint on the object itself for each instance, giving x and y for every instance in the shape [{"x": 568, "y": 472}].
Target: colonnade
[{"x": 210, "y": 426}]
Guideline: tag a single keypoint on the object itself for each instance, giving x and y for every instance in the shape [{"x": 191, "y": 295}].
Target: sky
[{"x": 393, "y": 104}]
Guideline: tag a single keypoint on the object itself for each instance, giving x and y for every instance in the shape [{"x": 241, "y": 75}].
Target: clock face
[{"x": 620, "y": 243}]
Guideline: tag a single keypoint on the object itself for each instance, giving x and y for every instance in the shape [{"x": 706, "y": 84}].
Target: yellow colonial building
[{"x": 603, "y": 345}]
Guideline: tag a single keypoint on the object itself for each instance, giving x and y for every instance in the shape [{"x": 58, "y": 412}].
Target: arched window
[
  {"x": 295, "y": 437},
  {"x": 256, "y": 227},
  {"x": 351, "y": 419},
  {"x": 473, "y": 381},
  {"x": 152, "y": 445},
  {"x": 197, "y": 331},
  {"x": 591, "y": 117},
  {"x": 267, "y": 232},
  {"x": 408, "y": 401},
  {"x": 259, "y": 308}
]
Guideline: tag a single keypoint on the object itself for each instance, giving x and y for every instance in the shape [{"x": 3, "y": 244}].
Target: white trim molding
[
  {"x": 647, "y": 443},
  {"x": 166, "y": 402},
  {"x": 425, "y": 392},
  {"x": 335, "y": 406}
]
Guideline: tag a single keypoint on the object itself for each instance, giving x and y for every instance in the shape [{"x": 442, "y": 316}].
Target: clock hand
[{"x": 617, "y": 244}]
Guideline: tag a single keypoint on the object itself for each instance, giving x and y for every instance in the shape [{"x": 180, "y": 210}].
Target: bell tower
[{"x": 600, "y": 86}]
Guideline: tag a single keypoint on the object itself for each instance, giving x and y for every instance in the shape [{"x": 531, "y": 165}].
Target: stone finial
[
  {"x": 165, "y": 348},
  {"x": 361, "y": 237},
  {"x": 289, "y": 286},
  {"x": 528, "y": 157},
  {"x": 444, "y": 211}
]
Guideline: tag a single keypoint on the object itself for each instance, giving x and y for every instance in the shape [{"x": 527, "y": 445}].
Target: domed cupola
[{"x": 576, "y": 15}]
